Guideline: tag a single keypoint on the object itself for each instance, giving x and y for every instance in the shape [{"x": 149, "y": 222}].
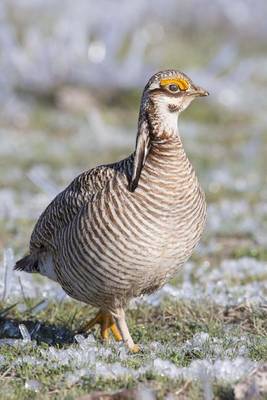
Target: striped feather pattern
[{"x": 108, "y": 243}]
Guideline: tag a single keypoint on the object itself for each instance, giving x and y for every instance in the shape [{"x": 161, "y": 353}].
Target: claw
[
  {"x": 135, "y": 349},
  {"x": 107, "y": 324}
]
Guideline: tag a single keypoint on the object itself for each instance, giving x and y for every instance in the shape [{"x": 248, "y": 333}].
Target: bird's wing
[{"x": 61, "y": 211}]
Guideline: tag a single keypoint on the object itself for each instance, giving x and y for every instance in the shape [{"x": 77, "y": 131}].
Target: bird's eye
[{"x": 173, "y": 88}]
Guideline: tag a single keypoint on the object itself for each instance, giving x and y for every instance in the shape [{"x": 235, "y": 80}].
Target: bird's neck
[
  {"x": 165, "y": 155},
  {"x": 161, "y": 120},
  {"x": 166, "y": 149},
  {"x": 163, "y": 128},
  {"x": 168, "y": 168}
]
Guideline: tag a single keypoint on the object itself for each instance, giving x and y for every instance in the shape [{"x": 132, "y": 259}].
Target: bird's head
[{"x": 168, "y": 93}]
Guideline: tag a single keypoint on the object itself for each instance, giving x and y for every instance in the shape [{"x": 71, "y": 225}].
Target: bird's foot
[
  {"x": 107, "y": 325},
  {"x": 135, "y": 349}
]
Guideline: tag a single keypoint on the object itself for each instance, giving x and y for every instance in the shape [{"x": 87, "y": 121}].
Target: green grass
[{"x": 171, "y": 325}]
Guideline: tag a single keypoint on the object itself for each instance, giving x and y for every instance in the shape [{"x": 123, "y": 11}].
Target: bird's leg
[
  {"x": 119, "y": 317},
  {"x": 106, "y": 322}
]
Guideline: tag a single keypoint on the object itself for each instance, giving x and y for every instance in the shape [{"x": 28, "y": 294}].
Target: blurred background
[{"x": 72, "y": 73}]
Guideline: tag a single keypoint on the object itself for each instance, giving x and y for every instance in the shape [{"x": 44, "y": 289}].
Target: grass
[{"x": 171, "y": 325}]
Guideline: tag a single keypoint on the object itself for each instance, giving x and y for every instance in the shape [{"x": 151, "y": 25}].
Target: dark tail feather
[{"x": 27, "y": 264}]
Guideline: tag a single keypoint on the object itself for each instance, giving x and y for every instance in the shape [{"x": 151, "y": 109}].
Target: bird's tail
[{"x": 28, "y": 263}]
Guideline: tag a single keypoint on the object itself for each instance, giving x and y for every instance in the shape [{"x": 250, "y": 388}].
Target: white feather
[{"x": 168, "y": 118}]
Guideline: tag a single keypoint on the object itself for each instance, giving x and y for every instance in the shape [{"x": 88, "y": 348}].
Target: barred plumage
[{"x": 123, "y": 229}]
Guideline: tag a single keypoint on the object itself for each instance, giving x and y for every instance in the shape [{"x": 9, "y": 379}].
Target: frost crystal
[
  {"x": 8, "y": 264},
  {"x": 24, "y": 333},
  {"x": 33, "y": 385}
]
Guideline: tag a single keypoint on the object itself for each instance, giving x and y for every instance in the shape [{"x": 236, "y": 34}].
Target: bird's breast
[{"x": 173, "y": 207}]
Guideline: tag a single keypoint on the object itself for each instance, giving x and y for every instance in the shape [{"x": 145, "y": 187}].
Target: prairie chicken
[{"x": 121, "y": 230}]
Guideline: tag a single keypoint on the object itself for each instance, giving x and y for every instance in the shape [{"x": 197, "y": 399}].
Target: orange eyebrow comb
[{"x": 181, "y": 83}]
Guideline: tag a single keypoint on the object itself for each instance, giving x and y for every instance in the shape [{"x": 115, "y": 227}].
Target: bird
[{"x": 123, "y": 229}]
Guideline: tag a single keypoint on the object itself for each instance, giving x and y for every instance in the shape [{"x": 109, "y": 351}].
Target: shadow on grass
[{"x": 46, "y": 333}]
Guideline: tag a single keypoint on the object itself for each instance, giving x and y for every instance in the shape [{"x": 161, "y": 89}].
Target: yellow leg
[
  {"x": 115, "y": 331},
  {"x": 107, "y": 324},
  {"x": 104, "y": 326},
  {"x": 90, "y": 324}
]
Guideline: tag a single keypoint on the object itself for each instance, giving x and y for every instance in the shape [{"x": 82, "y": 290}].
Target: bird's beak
[{"x": 199, "y": 91}]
